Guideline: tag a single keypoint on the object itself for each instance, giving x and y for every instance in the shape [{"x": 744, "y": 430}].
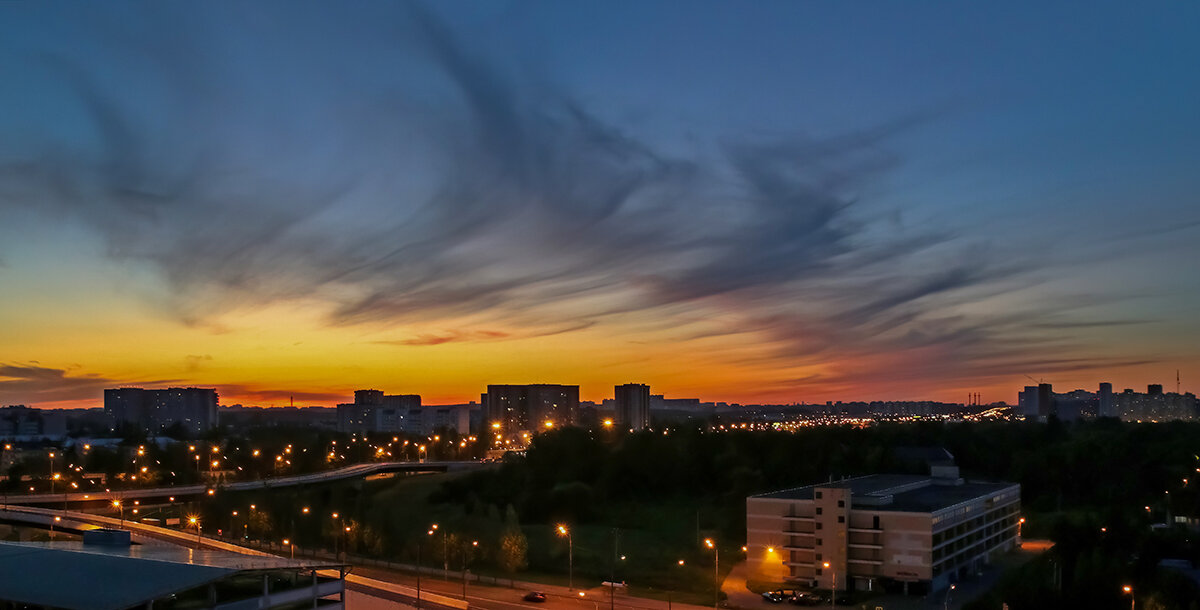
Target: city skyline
[{"x": 771, "y": 203}]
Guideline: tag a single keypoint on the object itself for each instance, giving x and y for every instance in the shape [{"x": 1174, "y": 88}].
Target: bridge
[{"x": 103, "y": 498}]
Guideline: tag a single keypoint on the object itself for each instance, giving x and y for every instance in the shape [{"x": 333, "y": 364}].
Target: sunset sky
[{"x": 753, "y": 202}]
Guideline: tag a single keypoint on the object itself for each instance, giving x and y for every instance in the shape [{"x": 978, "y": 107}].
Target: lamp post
[
  {"x": 1132, "y": 600},
  {"x": 445, "y": 555},
  {"x": 716, "y": 571},
  {"x": 833, "y": 586},
  {"x": 52, "y": 478},
  {"x": 196, "y": 522},
  {"x": 674, "y": 583},
  {"x": 465, "y": 556},
  {"x": 117, "y": 504},
  {"x": 429, "y": 533},
  {"x": 563, "y": 531},
  {"x": 946, "y": 602}
]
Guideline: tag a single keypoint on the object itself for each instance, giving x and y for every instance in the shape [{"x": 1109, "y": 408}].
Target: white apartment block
[{"x": 923, "y": 532}]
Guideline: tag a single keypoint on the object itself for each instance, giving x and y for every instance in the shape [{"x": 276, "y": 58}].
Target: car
[
  {"x": 774, "y": 597},
  {"x": 535, "y": 596},
  {"x": 805, "y": 599}
]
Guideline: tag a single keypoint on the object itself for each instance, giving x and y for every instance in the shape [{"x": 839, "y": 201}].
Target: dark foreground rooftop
[{"x": 75, "y": 575}]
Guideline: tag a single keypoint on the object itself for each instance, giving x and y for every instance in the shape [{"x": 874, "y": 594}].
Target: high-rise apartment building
[
  {"x": 632, "y": 405},
  {"x": 512, "y": 409},
  {"x": 1106, "y": 408},
  {"x": 152, "y": 410},
  {"x": 374, "y": 411}
]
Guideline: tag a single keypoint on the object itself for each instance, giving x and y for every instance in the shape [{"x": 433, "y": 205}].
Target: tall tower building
[
  {"x": 1045, "y": 400},
  {"x": 1107, "y": 407},
  {"x": 633, "y": 405}
]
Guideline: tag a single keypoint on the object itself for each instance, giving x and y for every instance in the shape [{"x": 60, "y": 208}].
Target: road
[{"x": 348, "y": 472}]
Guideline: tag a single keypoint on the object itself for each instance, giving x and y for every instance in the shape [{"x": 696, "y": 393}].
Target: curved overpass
[{"x": 183, "y": 491}]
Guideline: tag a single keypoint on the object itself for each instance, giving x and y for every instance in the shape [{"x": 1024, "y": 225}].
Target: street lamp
[
  {"x": 674, "y": 583},
  {"x": 946, "y": 602},
  {"x": 429, "y": 533},
  {"x": 117, "y": 504},
  {"x": 445, "y": 555},
  {"x": 196, "y": 522},
  {"x": 1129, "y": 591},
  {"x": 563, "y": 531},
  {"x": 708, "y": 542},
  {"x": 833, "y": 586},
  {"x": 468, "y": 553}
]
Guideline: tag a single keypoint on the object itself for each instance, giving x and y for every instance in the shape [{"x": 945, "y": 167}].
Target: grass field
[{"x": 639, "y": 543}]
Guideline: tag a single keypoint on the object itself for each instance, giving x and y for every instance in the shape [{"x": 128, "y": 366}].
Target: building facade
[
  {"x": 152, "y": 410},
  {"x": 632, "y": 405},
  {"x": 1039, "y": 402},
  {"x": 513, "y": 409},
  {"x": 374, "y": 411},
  {"x": 921, "y": 532}
]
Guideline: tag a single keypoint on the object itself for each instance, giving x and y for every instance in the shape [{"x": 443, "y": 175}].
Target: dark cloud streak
[{"x": 520, "y": 199}]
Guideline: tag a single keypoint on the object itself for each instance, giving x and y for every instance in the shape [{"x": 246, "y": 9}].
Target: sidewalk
[{"x": 736, "y": 592}]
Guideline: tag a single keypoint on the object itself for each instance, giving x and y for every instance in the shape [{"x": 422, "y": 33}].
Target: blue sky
[{"x": 759, "y": 201}]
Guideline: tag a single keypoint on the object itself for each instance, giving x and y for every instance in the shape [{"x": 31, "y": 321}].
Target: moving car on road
[{"x": 535, "y": 596}]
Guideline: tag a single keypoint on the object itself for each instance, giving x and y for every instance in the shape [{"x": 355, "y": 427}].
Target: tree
[{"x": 514, "y": 550}]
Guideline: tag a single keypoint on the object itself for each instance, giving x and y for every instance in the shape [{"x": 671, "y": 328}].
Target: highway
[{"x": 183, "y": 491}]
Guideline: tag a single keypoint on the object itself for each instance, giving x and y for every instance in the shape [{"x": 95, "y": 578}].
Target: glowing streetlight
[
  {"x": 833, "y": 586},
  {"x": 1132, "y": 600},
  {"x": 196, "y": 522},
  {"x": 708, "y": 542},
  {"x": 946, "y": 602},
  {"x": 563, "y": 531}
]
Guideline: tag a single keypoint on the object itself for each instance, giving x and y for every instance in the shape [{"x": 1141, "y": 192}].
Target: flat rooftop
[
  {"x": 98, "y": 577},
  {"x": 898, "y": 492}
]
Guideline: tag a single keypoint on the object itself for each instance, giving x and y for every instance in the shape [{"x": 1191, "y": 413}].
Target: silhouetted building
[
  {"x": 515, "y": 408},
  {"x": 24, "y": 423},
  {"x": 1106, "y": 407},
  {"x": 632, "y": 402},
  {"x": 373, "y": 411},
  {"x": 1154, "y": 405},
  {"x": 195, "y": 409}
]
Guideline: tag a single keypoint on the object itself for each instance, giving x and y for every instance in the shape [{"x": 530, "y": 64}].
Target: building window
[
  {"x": 818, "y": 571},
  {"x": 819, "y": 511},
  {"x": 841, "y": 504},
  {"x": 818, "y": 525},
  {"x": 819, "y": 495},
  {"x": 818, "y": 557},
  {"x": 820, "y": 542},
  {"x": 841, "y": 519}
]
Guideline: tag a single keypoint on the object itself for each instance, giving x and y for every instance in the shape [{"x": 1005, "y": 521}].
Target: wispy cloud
[
  {"x": 448, "y": 337},
  {"x": 33, "y": 385},
  {"x": 430, "y": 184}
]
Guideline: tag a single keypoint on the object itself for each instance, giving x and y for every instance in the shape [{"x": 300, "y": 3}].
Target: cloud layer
[{"x": 410, "y": 179}]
